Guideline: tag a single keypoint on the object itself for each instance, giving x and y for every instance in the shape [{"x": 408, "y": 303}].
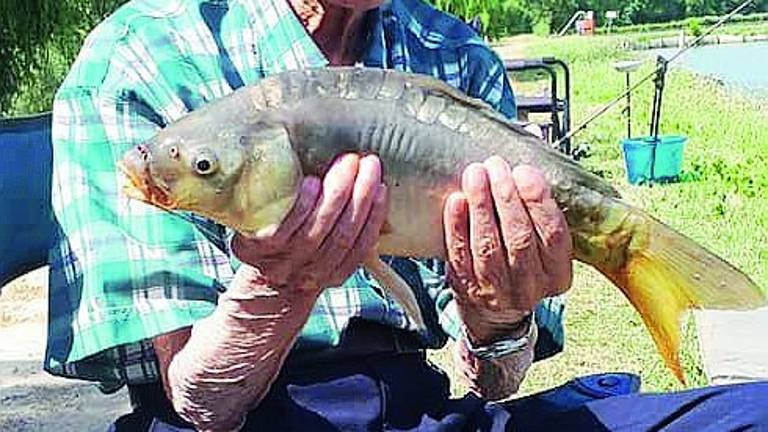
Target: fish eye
[{"x": 205, "y": 164}]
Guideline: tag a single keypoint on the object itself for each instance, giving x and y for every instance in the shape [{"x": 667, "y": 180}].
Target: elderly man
[{"x": 212, "y": 331}]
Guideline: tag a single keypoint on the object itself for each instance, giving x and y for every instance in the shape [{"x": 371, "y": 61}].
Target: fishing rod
[{"x": 661, "y": 68}]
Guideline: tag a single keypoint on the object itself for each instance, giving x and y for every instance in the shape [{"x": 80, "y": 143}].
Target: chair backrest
[{"x": 27, "y": 225}]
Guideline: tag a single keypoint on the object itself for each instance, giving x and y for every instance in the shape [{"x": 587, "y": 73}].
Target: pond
[{"x": 744, "y": 66}]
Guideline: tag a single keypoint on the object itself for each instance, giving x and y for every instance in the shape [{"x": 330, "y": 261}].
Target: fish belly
[{"x": 415, "y": 220}]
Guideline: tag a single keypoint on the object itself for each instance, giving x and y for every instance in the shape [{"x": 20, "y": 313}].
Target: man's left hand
[{"x": 508, "y": 247}]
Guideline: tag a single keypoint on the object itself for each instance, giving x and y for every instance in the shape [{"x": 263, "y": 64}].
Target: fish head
[
  {"x": 181, "y": 171},
  {"x": 243, "y": 177}
]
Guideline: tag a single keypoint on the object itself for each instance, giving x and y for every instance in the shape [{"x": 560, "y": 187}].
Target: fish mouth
[{"x": 141, "y": 187}]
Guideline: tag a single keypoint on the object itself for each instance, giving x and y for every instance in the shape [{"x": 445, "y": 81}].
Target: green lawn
[{"x": 721, "y": 203}]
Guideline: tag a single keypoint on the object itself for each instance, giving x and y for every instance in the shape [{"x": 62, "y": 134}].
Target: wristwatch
[{"x": 504, "y": 346}]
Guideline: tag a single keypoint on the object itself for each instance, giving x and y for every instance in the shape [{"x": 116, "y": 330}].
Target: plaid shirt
[{"x": 123, "y": 272}]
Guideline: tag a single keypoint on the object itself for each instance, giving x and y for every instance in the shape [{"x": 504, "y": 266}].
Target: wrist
[
  {"x": 250, "y": 283},
  {"x": 518, "y": 340},
  {"x": 487, "y": 330},
  {"x": 250, "y": 293}
]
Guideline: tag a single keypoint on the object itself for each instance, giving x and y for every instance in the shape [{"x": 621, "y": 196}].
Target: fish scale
[{"x": 264, "y": 138}]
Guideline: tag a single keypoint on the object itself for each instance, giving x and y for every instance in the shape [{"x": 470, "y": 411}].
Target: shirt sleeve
[
  {"x": 121, "y": 271},
  {"x": 487, "y": 79}
]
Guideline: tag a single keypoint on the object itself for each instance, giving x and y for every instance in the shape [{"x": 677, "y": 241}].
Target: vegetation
[
  {"x": 701, "y": 21},
  {"x": 720, "y": 203},
  {"x": 498, "y": 17},
  {"x": 515, "y": 16},
  {"x": 39, "y": 39}
]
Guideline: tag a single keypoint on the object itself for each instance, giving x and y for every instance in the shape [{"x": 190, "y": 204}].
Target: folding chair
[{"x": 27, "y": 224}]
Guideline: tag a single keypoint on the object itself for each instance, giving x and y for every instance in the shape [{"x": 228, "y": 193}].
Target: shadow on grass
[{"x": 684, "y": 177}]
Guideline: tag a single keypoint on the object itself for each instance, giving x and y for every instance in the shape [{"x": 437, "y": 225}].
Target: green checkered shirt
[{"x": 123, "y": 272}]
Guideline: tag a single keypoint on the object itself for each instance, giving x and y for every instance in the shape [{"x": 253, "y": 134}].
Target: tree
[{"x": 37, "y": 35}]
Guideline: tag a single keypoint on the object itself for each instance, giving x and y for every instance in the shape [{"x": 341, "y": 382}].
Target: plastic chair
[{"x": 27, "y": 224}]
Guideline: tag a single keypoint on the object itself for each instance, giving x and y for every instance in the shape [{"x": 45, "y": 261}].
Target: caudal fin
[{"x": 665, "y": 274}]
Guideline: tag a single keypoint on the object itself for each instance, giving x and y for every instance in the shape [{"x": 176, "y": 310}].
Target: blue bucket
[{"x": 647, "y": 160}]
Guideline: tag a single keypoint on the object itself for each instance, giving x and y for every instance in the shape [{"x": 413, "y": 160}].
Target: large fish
[{"x": 239, "y": 161}]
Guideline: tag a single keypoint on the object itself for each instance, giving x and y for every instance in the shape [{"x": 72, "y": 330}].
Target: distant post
[
  {"x": 628, "y": 67},
  {"x": 610, "y": 16}
]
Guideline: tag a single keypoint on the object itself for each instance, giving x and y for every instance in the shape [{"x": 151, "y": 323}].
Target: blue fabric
[
  {"x": 404, "y": 393},
  {"x": 739, "y": 407},
  {"x": 26, "y": 218},
  {"x": 578, "y": 392},
  {"x": 414, "y": 36}
]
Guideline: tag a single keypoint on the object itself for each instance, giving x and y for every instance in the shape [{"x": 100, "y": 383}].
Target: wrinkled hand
[
  {"x": 508, "y": 247},
  {"x": 333, "y": 226}
]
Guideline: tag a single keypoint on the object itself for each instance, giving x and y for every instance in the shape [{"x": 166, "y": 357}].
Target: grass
[{"x": 720, "y": 203}]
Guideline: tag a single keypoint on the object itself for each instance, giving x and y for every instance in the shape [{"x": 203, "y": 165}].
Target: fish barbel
[{"x": 239, "y": 161}]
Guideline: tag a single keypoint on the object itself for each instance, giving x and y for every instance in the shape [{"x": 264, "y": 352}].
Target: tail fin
[{"x": 664, "y": 274}]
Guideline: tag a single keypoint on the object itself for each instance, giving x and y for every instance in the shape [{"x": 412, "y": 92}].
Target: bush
[
  {"x": 542, "y": 28},
  {"x": 498, "y": 17},
  {"x": 40, "y": 39},
  {"x": 694, "y": 27}
]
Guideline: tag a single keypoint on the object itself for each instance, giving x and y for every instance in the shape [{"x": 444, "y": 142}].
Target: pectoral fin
[{"x": 397, "y": 287}]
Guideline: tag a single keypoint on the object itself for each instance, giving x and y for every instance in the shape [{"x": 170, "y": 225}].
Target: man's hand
[
  {"x": 216, "y": 373},
  {"x": 508, "y": 247},
  {"x": 328, "y": 233}
]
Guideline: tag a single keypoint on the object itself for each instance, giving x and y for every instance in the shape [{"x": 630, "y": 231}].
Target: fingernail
[
  {"x": 494, "y": 161},
  {"x": 346, "y": 158},
  {"x": 370, "y": 158},
  {"x": 530, "y": 182},
  {"x": 497, "y": 167},
  {"x": 475, "y": 177},
  {"x": 457, "y": 203},
  {"x": 370, "y": 163}
]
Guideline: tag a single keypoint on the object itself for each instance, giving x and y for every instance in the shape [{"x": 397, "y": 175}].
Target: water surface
[{"x": 744, "y": 66}]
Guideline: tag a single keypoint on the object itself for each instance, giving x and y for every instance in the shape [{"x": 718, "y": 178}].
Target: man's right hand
[{"x": 331, "y": 229}]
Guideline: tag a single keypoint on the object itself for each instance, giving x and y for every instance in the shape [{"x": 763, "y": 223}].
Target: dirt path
[
  {"x": 513, "y": 47},
  {"x": 31, "y": 399}
]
